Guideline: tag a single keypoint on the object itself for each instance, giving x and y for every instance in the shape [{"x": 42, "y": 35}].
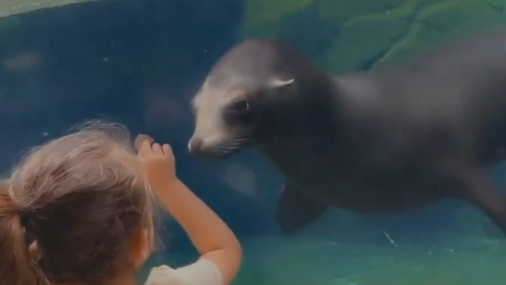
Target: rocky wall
[{"x": 349, "y": 35}]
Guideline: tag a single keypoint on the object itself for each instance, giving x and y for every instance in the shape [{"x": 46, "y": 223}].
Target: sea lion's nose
[{"x": 195, "y": 145}]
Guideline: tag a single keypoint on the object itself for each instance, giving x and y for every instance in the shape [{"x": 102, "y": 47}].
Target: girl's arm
[{"x": 221, "y": 251}]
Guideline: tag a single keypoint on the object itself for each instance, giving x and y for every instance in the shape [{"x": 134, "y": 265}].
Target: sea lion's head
[{"x": 245, "y": 86}]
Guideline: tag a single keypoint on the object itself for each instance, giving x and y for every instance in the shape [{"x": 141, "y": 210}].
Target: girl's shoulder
[{"x": 202, "y": 272}]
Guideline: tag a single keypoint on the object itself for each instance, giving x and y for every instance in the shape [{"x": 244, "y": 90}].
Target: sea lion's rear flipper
[
  {"x": 481, "y": 191},
  {"x": 295, "y": 210}
]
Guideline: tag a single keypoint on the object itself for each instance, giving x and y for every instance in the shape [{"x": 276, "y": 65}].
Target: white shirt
[{"x": 202, "y": 272}]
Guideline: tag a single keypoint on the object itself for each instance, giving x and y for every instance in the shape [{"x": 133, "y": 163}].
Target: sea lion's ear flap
[{"x": 278, "y": 83}]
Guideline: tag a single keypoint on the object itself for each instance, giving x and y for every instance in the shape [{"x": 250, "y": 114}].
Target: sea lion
[{"x": 396, "y": 138}]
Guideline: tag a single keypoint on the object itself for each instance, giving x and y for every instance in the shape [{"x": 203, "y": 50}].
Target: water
[{"x": 140, "y": 61}]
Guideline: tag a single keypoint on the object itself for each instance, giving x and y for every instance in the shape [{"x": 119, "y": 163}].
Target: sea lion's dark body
[{"x": 397, "y": 138}]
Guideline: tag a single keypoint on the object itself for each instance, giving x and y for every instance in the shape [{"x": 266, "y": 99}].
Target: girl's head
[{"x": 75, "y": 211}]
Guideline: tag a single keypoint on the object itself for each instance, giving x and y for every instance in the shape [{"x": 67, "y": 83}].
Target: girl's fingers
[
  {"x": 140, "y": 139},
  {"x": 146, "y": 145},
  {"x": 157, "y": 149},
  {"x": 143, "y": 145},
  {"x": 144, "y": 148},
  {"x": 167, "y": 150}
]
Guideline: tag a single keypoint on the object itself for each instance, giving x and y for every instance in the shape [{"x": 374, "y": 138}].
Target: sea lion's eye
[{"x": 240, "y": 107}]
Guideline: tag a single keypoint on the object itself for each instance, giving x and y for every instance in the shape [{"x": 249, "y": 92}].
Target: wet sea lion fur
[{"x": 397, "y": 138}]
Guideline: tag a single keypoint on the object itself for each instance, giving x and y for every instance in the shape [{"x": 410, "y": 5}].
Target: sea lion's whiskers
[{"x": 239, "y": 141}]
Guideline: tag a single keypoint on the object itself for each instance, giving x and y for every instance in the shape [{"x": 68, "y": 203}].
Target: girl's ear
[{"x": 141, "y": 246}]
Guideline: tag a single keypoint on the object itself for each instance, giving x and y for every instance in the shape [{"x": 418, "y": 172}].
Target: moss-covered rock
[
  {"x": 348, "y": 35},
  {"x": 262, "y": 15},
  {"x": 11, "y": 7}
]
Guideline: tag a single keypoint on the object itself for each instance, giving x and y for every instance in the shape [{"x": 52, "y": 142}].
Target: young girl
[{"x": 78, "y": 211}]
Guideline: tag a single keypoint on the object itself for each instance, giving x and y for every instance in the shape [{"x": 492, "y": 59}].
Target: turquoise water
[
  {"x": 140, "y": 62},
  {"x": 358, "y": 255}
]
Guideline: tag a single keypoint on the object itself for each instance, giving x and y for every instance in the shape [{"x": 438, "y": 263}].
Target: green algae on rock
[
  {"x": 350, "y": 35},
  {"x": 260, "y": 12},
  {"x": 12, "y": 7}
]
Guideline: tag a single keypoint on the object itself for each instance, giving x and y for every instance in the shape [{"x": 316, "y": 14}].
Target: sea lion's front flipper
[
  {"x": 480, "y": 190},
  {"x": 295, "y": 210}
]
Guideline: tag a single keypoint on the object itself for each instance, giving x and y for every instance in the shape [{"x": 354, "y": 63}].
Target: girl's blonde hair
[{"x": 70, "y": 209}]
